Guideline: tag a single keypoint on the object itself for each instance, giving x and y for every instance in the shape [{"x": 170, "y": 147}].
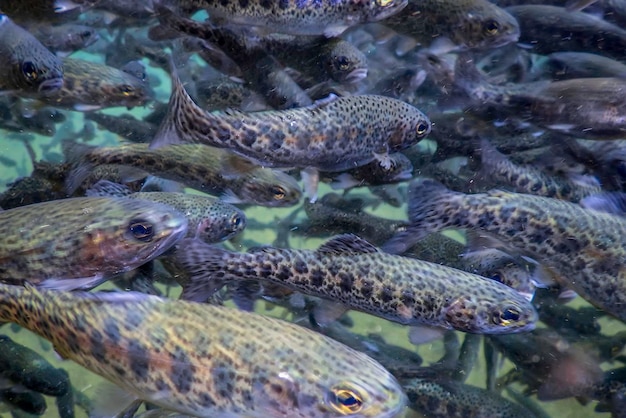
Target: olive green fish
[
  {"x": 204, "y": 360},
  {"x": 89, "y": 85},
  {"x": 445, "y": 25},
  {"x": 352, "y": 272},
  {"x": 210, "y": 170},
  {"x": 82, "y": 242},
  {"x": 585, "y": 248},
  {"x": 298, "y": 17},
  {"x": 26, "y": 66},
  {"x": 333, "y": 135}
]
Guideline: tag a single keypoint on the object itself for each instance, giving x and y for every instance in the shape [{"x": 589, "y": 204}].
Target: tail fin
[
  {"x": 204, "y": 265},
  {"x": 75, "y": 153},
  {"x": 427, "y": 199}
]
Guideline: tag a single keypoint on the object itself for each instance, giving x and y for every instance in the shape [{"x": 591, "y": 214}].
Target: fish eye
[
  {"x": 127, "y": 90},
  {"x": 345, "y": 400},
  {"x": 141, "y": 230},
  {"x": 384, "y": 3},
  {"x": 507, "y": 316},
  {"x": 497, "y": 277},
  {"x": 85, "y": 34},
  {"x": 236, "y": 222},
  {"x": 30, "y": 70},
  {"x": 491, "y": 27},
  {"x": 422, "y": 128},
  {"x": 343, "y": 63},
  {"x": 278, "y": 192}
]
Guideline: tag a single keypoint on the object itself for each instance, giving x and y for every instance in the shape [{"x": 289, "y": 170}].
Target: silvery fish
[
  {"x": 82, "y": 242},
  {"x": 204, "y": 360},
  {"x": 27, "y": 66},
  {"x": 584, "y": 248},
  {"x": 336, "y": 134},
  {"x": 354, "y": 273},
  {"x": 298, "y": 17},
  {"x": 214, "y": 171},
  {"x": 445, "y": 25}
]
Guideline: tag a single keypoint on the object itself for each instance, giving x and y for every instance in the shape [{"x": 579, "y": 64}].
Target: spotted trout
[
  {"x": 81, "y": 242},
  {"x": 204, "y": 360},
  {"x": 585, "y": 248},
  {"x": 352, "y": 272},
  {"x": 332, "y": 135}
]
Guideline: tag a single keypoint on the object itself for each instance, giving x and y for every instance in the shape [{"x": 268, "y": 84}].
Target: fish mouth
[
  {"x": 356, "y": 75},
  {"x": 50, "y": 86}
]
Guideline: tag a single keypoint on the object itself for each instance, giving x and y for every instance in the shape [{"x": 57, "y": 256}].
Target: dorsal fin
[{"x": 347, "y": 244}]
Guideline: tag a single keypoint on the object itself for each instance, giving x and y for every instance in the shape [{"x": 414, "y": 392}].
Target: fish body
[
  {"x": 204, "y": 360},
  {"x": 210, "y": 170},
  {"x": 585, "y": 248},
  {"x": 451, "y": 399},
  {"x": 27, "y": 65},
  {"x": 298, "y": 17},
  {"x": 209, "y": 219},
  {"x": 66, "y": 38},
  {"x": 373, "y": 174},
  {"x": 352, "y": 272},
  {"x": 81, "y": 242},
  {"x": 465, "y": 24},
  {"x": 563, "y": 65},
  {"x": 333, "y": 135},
  {"x": 88, "y": 85},
  {"x": 554, "y": 29}
]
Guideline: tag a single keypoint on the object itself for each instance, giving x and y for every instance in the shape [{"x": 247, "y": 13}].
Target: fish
[
  {"x": 214, "y": 171},
  {"x": 551, "y": 29},
  {"x": 81, "y": 242},
  {"x": 336, "y": 134},
  {"x": 326, "y": 17},
  {"x": 372, "y": 174},
  {"x": 124, "y": 125},
  {"x": 498, "y": 169},
  {"x": 440, "y": 398},
  {"x": 27, "y": 65},
  {"x": 584, "y": 249},
  {"x": 449, "y": 25},
  {"x": 66, "y": 38},
  {"x": 352, "y": 272},
  {"x": 204, "y": 360},
  {"x": 90, "y": 86},
  {"x": 564, "y": 65}
]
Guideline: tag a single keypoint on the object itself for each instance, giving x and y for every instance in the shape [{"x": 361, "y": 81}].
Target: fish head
[
  {"x": 412, "y": 127},
  {"x": 487, "y": 26},
  {"x": 127, "y": 233},
  {"x": 222, "y": 222},
  {"x": 124, "y": 89},
  {"x": 357, "y": 386},
  {"x": 34, "y": 69},
  {"x": 271, "y": 188},
  {"x": 345, "y": 63},
  {"x": 493, "y": 311}
]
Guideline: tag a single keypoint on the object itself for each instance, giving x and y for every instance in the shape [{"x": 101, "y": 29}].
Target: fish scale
[
  {"x": 350, "y": 271},
  {"x": 205, "y": 360}
]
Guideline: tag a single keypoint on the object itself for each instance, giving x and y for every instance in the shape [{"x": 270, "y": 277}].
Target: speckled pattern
[
  {"x": 205, "y": 360},
  {"x": 338, "y": 134},
  {"x": 586, "y": 248},
  {"x": 450, "y": 399},
  {"x": 299, "y": 17},
  {"x": 528, "y": 179},
  {"x": 97, "y": 85},
  {"x": 26, "y": 65},
  {"x": 469, "y": 24},
  {"x": 55, "y": 243},
  {"x": 210, "y": 170},
  {"x": 351, "y": 271},
  {"x": 209, "y": 219}
]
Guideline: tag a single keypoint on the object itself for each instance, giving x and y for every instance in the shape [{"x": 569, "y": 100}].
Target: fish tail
[
  {"x": 205, "y": 267},
  {"x": 75, "y": 153},
  {"x": 427, "y": 199}
]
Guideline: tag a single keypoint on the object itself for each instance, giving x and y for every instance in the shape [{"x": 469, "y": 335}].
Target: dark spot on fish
[
  {"x": 97, "y": 346},
  {"x": 346, "y": 281},
  {"x": 266, "y": 4},
  {"x": 248, "y": 137},
  {"x": 111, "y": 330},
  {"x": 407, "y": 298},
  {"x": 283, "y": 4},
  {"x": 317, "y": 278},
  {"x": 386, "y": 294},
  {"x": 300, "y": 267},
  {"x": 224, "y": 378},
  {"x": 139, "y": 358},
  {"x": 182, "y": 371}
]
